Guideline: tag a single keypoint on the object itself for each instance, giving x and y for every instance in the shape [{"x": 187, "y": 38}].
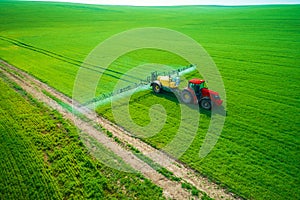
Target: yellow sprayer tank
[{"x": 166, "y": 81}]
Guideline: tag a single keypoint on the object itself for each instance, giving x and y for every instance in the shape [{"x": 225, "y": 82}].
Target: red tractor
[{"x": 196, "y": 91}]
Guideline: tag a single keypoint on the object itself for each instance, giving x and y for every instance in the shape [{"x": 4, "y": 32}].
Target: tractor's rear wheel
[
  {"x": 156, "y": 88},
  {"x": 186, "y": 97},
  {"x": 206, "y": 104}
]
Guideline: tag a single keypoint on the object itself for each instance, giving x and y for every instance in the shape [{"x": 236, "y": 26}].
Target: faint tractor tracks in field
[
  {"x": 72, "y": 61},
  {"x": 172, "y": 189}
]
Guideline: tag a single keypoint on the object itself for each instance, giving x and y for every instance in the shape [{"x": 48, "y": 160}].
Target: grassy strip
[
  {"x": 194, "y": 191},
  {"x": 169, "y": 175},
  {"x": 66, "y": 106},
  {"x": 163, "y": 171},
  {"x": 60, "y": 102}
]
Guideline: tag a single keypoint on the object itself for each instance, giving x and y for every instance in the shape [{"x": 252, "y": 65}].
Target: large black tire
[
  {"x": 206, "y": 104},
  {"x": 186, "y": 97},
  {"x": 156, "y": 88}
]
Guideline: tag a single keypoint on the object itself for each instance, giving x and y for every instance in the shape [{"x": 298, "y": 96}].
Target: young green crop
[{"x": 256, "y": 49}]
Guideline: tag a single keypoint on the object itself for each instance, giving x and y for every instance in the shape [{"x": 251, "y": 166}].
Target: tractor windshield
[
  {"x": 201, "y": 85},
  {"x": 195, "y": 87}
]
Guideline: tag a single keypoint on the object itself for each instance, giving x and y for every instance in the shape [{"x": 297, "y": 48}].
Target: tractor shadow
[{"x": 176, "y": 99}]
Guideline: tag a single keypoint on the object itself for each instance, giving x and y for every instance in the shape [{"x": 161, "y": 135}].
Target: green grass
[
  {"x": 256, "y": 49},
  {"x": 43, "y": 158}
]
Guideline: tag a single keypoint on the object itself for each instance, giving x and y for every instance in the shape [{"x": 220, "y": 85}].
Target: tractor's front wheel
[
  {"x": 206, "y": 104},
  {"x": 156, "y": 88},
  {"x": 186, "y": 97}
]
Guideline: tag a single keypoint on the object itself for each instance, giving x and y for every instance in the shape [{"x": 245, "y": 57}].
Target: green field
[
  {"x": 43, "y": 158},
  {"x": 256, "y": 49}
]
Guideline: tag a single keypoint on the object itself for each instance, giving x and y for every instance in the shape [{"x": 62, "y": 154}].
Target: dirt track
[{"x": 171, "y": 189}]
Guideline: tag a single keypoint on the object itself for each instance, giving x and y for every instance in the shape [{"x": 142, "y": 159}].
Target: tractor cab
[
  {"x": 196, "y": 85},
  {"x": 202, "y": 94}
]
